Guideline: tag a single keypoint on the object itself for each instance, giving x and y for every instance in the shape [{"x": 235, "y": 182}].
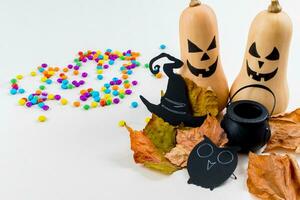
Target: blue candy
[
  {"x": 99, "y": 77},
  {"x": 21, "y": 91},
  {"x": 48, "y": 81},
  {"x": 134, "y": 104},
  {"x": 107, "y": 91},
  {"x": 162, "y": 46},
  {"x": 13, "y": 91},
  {"x": 115, "y": 93}
]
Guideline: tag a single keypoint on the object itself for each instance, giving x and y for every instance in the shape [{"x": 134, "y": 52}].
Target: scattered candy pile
[
  {"x": 110, "y": 93},
  {"x": 71, "y": 76}
]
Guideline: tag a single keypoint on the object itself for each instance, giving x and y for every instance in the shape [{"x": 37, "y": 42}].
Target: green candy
[
  {"x": 79, "y": 64},
  {"x": 42, "y": 87},
  {"x": 13, "y": 81},
  {"x": 108, "y": 102},
  {"x": 122, "y": 96},
  {"x": 70, "y": 86},
  {"x": 86, "y": 107}
]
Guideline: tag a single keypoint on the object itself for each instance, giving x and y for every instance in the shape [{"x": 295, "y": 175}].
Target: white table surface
[{"x": 81, "y": 155}]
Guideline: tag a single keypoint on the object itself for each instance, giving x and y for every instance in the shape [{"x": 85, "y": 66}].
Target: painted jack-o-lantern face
[
  {"x": 204, "y": 56},
  {"x": 255, "y": 74}
]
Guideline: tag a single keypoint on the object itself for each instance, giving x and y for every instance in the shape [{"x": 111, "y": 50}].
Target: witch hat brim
[{"x": 173, "y": 117}]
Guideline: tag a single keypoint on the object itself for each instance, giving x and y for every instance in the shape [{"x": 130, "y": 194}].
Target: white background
[{"x": 81, "y": 155}]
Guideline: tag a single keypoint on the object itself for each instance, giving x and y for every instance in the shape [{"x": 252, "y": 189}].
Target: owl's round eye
[
  {"x": 205, "y": 150},
  {"x": 225, "y": 157}
]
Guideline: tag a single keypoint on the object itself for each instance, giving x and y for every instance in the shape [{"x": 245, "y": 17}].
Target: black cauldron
[{"x": 246, "y": 124}]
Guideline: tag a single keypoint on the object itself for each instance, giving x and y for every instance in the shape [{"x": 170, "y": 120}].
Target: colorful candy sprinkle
[
  {"x": 162, "y": 46},
  {"x": 71, "y": 76},
  {"x": 134, "y": 104},
  {"x": 122, "y": 123},
  {"x": 42, "y": 118}
]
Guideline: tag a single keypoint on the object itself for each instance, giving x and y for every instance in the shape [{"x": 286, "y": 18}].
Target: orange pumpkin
[
  {"x": 199, "y": 43},
  {"x": 263, "y": 74}
]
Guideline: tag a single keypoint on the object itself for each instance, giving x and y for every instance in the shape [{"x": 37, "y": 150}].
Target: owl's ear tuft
[{"x": 206, "y": 138}]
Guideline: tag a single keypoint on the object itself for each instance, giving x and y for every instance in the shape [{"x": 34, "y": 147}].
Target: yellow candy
[
  {"x": 51, "y": 73},
  {"x": 33, "y": 73},
  {"x": 101, "y": 62},
  {"x": 103, "y": 88},
  {"x": 105, "y": 57},
  {"x": 42, "y": 118},
  {"x": 94, "y": 104},
  {"x": 19, "y": 77},
  {"x": 22, "y": 102},
  {"x": 50, "y": 96},
  {"x": 147, "y": 120},
  {"x": 122, "y": 123},
  {"x": 64, "y": 101},
  {"x": 98, "y": 52},
  {"x": 107, "y": 96},
  {"x": 44, "y": 79},
  {"x": 99, "y": 71},
  {"x": 121, "y": 91}
]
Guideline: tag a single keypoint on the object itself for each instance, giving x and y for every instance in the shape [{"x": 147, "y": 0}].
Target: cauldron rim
[{"x": 262, "y": 117}]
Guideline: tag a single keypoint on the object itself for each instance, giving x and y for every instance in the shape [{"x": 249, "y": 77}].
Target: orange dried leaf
[
  {"x": 273, "y": 177},
  {"x": 189, "y": 138},
  {"x": 143, "y": 148},
  {"x": 285, "y": 132}
]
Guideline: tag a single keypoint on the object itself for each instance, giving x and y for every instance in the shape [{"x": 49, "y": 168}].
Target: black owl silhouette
[{"x": 209, "y": 166}]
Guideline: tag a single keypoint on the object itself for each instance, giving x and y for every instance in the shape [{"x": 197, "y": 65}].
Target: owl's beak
[{"x": 210, "y": 165}]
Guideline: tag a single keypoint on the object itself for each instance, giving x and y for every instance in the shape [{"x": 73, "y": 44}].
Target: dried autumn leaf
[
  {"x": 164, "y": 167},
  {"x": 178, "y": 156},
  {"x": 285, "y": 130},
  {"x": 203, "y": 101},
  {"x": 273, "y": 177},
  {"x": 187, "y": 139},
  {"x": 146, "y": 153},
  {"x": 143, "y": 148},
  {"x": 161, "y": 133}
]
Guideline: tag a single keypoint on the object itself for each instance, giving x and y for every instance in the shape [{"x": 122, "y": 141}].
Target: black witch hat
[{"x": 174, "y": 106}]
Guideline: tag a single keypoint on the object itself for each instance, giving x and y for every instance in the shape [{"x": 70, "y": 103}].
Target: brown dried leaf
[
  {"x": 285, "y": 130},
  {"x": 187, "y": 139},
  {"x": 178, "y": 156},
  {"x": 273, "y": 177},
  {"x": 203, "y": 101},
  {"x": 146, "y": 153}
]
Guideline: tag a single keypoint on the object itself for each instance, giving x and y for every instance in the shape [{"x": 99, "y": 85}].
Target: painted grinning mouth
[
  {"x": 258, "y": 76},
  {"x": 204, "y": 72}
]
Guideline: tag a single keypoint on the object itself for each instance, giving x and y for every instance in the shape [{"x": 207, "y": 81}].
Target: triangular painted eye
[
  {"x": 253, "y": 51},
  {"x": 212, "y": 44},
  {"x": 274, "y": 55},
  {"x": 193, "y": 48}
]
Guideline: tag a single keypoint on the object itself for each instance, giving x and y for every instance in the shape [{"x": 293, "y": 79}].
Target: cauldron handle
[{"x": 257, "y": 86}]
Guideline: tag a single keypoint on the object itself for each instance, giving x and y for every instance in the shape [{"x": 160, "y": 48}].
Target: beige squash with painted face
[
  {"x": 265, "y": 61},
  {"x": 199, "y": 44}
]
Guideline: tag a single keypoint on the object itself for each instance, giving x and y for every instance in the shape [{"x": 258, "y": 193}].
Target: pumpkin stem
[
  {"x": 194, "y": 3},
  {"x": 274, "y": 7}
]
